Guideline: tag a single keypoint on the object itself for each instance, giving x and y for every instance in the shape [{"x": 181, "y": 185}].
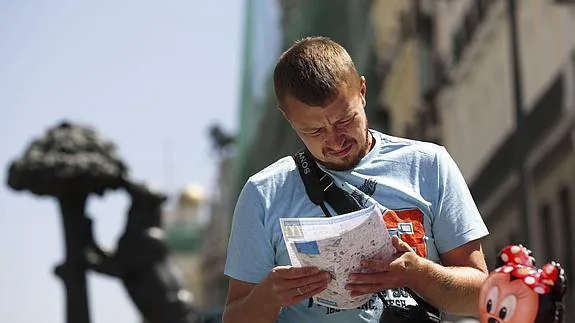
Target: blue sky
[{"x": 150, "y": 75}]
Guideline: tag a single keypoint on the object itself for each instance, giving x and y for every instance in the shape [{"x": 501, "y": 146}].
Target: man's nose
[{"x": 336, "y": 138}]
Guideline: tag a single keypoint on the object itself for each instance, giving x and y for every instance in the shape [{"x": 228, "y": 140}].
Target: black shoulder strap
[
  {"x": 320, "y": 187},
  {"x": 308, "y": 173}
]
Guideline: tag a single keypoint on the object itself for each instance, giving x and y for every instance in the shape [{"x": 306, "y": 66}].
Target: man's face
[{"x": 336, "y": 134}]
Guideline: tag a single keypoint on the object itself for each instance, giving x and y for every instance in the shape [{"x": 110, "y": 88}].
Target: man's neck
[{"x": 370, "y": 141}]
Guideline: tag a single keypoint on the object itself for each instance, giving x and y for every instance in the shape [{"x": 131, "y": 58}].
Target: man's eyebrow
[
  {"x": 349, "y": 113},
  {"x": 309, "y": 128}
]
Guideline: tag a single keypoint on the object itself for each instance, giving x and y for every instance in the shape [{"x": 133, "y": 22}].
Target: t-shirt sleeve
[
  {"x": 456, "y": 217},
  {"x": 250, "y": 256}
]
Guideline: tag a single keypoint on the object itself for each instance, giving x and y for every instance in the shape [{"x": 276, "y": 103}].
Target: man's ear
[
  {"x": 362, "y": 90},
  {"x": 284, "y": 113}
]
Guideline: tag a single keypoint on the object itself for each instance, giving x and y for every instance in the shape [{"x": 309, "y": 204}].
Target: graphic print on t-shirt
[
  {"x": 368, "y": 188},
  {"x": 407, "y": 224}
]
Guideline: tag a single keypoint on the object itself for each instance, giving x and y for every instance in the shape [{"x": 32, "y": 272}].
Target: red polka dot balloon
[{"x": 517, "y": 291}]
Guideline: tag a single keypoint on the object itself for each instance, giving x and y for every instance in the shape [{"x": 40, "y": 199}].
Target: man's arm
[
  {"x": 249, "y": 303},
  {"x": 454, "y": 286},
  {"x": 249, "y": 259},
  {"x": 284, "y": 286}
]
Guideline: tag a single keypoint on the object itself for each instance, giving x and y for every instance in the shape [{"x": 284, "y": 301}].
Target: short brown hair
[{"x": 313, "y": 70}]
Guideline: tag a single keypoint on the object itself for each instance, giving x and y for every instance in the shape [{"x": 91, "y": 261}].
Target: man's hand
[
  {"x": 385, "y": 275},
  {"x": 290, "y": 285}
]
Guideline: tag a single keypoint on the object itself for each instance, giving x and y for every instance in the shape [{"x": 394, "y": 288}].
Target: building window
[
  {"x": 470, "y": 23},
  {"x": 464, "y": 35},
  {"x": 566, "y": 216},
  {"x": 546, "y": 220},
  {"x": 483, "y": 7},
  {"x": 459, "y": 43},
  {"x": 425, "y": 25},
  {"x": 407, "y": 26}
]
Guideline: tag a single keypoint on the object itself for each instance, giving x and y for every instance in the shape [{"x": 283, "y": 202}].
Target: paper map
[{"x": 337, "y": 245}]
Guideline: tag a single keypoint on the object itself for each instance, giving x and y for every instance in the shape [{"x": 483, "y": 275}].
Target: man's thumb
[{"x": 400, "y": 245}]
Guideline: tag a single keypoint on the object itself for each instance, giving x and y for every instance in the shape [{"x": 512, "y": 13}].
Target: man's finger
[
  {"x": 323, "y": 277},
  {"x": 306, "y": 289},
  {"x": 298, "y": 298},
  {"x": 288, "y": 272},
  {"x": 400, "y": 245}
]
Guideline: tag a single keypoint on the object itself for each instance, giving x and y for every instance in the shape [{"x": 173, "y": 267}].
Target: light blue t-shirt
[{"x": 434, "y": 213}]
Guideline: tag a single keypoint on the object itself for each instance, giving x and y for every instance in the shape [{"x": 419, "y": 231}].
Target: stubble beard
[{"x": 349, "y": 162}]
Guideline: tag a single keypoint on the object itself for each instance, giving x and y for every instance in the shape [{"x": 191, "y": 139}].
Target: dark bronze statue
[
  {"x": 222, "y": 141},
  {"x": 70, "y": 163}
]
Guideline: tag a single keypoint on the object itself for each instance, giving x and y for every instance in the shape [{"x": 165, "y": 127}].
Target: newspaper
[{"x": 337, "y": 245}]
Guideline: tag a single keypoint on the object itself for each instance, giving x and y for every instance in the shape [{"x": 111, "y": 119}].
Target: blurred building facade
[
  {"x": 441, "y": 71},
  {"x": 405, "y": 37},
  {"x": 480, "y": 121}
]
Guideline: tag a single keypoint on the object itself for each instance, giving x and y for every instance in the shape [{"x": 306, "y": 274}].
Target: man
[{"x": 439, "y": 254}]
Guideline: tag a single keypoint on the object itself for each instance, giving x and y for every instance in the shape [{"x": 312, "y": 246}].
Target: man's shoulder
[
  {"x": 401, "y": 145},
  {"x": 277, "y": 172}
]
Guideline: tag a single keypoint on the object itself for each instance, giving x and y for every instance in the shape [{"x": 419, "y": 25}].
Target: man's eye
[
  {"x": 314, "y": 132},
  {"x": 347, "y": 121}
]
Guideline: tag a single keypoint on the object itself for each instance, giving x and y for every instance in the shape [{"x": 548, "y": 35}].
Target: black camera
[{"x": 410, "y": 313}]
